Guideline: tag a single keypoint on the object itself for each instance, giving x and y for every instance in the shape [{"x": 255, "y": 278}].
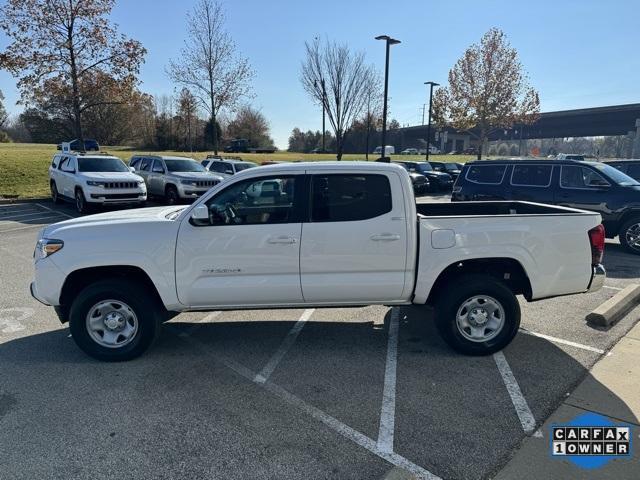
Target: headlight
[
  {"x": 188, "y": 182},
  {"x": 140, "y": 182},
  {"x": 91, "y": 183},
  {"x": 48, "y": 246}
]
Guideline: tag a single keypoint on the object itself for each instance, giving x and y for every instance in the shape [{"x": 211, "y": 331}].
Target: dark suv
[
  {"x": 437, "y": 180},
  {"x": 587, "y": 185}
]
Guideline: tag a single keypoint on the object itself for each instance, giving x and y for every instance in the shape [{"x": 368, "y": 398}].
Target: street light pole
[
  {"x": 389, "y": 41},
  {"x": 324, "y": 99},
  {"x": 431, "y": 85}
]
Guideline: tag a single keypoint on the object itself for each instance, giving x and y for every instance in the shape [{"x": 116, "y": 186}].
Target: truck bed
[{"x": 498, "y": 208}]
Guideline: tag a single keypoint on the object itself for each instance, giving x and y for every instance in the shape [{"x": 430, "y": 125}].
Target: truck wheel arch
[
  {"x": 81, "y": 278},
  {"x": 507, "y": 270}
]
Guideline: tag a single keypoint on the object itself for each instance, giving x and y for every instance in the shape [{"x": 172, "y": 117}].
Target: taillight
[{"x": 596, "y": 238}]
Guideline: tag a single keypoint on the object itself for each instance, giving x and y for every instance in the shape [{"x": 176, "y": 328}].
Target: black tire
[
  {"x": 140, "y": 301},
  {"x": 55, "y": 196},
  {"x": 171, "y": 196},
  {"x": 81, "y": 203},
  {"x": 464, "y": 289},
  {"x": 630, "y": 235}
]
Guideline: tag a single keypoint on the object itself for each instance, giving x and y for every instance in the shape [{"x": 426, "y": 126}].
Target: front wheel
[
  {"x": 171, "y": 196},
  {"x": 81, "y": 202},
  {"x": 479, "y": 315},
  {"x": 630, "y": 235},
  {"x": 114, "y": 320},
  {"x": 55, "y": 196}
]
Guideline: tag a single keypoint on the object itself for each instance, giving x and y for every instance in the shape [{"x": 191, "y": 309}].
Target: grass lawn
[{"x": 24, "y": 167}]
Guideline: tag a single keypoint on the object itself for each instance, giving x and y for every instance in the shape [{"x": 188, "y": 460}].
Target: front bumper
[
  {"x": 115, "y": 196},
  {"x": 190, "y": 191},
  {"x": 598, "y": 276}
]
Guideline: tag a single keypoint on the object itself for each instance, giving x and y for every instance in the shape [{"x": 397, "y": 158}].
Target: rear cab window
[
  {"x": 486, "y": 174},
  {"x": 349, "y": 197}
]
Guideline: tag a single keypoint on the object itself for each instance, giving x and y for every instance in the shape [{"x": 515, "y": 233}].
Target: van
[{"x": 388, "y": 150}]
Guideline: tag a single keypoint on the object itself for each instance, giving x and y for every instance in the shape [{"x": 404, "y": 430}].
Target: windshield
[
  {"x": 244, "y": 166},
  {"x": 616, "y": 175},
  {"x": 424, "y": 167},
  {"x": 101, "y": 164},
  {"x": 186, "y": 165}
]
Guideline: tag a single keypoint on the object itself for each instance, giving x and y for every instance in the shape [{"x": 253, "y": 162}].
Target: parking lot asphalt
[{"x": 363, "y": 393}]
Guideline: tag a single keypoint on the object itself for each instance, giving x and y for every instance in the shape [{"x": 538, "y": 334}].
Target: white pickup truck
[{"x": 313, "y": 235}]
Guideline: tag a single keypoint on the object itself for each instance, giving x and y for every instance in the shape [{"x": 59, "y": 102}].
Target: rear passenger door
[
  {"x": 486, "y": 182},
  {"x": 156, "y": 177},
  {"x": 532, "y": 183},
  {"x": 354, "y": 246}
]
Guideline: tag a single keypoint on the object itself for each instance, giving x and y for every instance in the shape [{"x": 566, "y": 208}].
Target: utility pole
[
  {"x": 431, "y": 85},
  {"x": 389, "y": 41}
]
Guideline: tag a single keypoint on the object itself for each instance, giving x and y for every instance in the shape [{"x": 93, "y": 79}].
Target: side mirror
[
  {"x": 200, "y": 214},
  {"x": 132, "y": 169}
]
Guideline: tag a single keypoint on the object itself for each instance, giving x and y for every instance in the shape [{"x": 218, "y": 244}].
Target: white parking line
[
  {"x": 55, "y": 211},
  {"x": 518, "y": 400},
  {"x": 44, "y": 215},
  {"x": 562, "y": 341},
  {"x": 612, "y": 288},
  {"x": 13, "y": 216},
  {"x": 39, "y": 225},
  {"x": 331, "y": 422},
  {"x": 388, "y": 411},
  {"x": 286, "y": 344}
]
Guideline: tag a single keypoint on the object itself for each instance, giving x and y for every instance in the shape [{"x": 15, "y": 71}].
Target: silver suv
[
  {"x": 174, "y": 178},
  {"x": 225, "y": 167}
]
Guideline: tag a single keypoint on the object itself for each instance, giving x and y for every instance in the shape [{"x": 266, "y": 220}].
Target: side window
[
  {"x": 488, "y": 174},
  {"x": 531, "y": 175},
  {"x": 67, "y": 165},
  {"x": 157, "y": 166},
  {"x": 344, "y": 198},
  {"x": 217, "y": 167},
  {"x": 134, "y": 162},
  {"x": 145, "y": 164},
  {"x": 264, "y": 200},
  {"x": 580, "y": 177},
  {"x": 54, "y": 162}
]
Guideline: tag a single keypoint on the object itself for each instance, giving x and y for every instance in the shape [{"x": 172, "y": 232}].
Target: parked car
[
  {"x": 580, "y": 184},
  {"x": 630, "y": 167},
  {"x": 432, "y": 151},
  {"x": 569, "y": 156},
  {"x": 388, "y": 150},
  {"x": 225, "y": 167},
  {"x": 451, "y": 168},
  {"x": 173, "y": 178},
  {"x": 95, "y": 179},
  {"x": 320, "y": 150},
  {"x": 420, "y": 183},
  {"x": 241, "y": 145},
  {"x": 409, "y": 151},
  {"x": 437, "y": 180},
  {"x": 90, "y": 145},
  {"x": 338, "y": 233}
]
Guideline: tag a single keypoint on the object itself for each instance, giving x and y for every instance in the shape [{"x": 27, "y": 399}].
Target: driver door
[{"x": 248, "y": 252}]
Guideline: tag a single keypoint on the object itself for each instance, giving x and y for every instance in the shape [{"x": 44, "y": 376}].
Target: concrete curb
[{"x": 616, "y": 307}]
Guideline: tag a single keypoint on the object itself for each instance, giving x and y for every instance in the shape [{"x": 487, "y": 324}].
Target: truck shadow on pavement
[{"x": 183, "y": 413}]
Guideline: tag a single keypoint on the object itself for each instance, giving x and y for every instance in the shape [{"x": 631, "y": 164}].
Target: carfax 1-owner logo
[{"x": 591, "y": 440}]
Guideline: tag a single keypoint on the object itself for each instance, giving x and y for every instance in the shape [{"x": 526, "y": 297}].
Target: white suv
[{"x": 94, "y": 179}]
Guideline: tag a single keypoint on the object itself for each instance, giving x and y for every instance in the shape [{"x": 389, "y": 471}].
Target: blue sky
[{"x": 578, "y": 53}]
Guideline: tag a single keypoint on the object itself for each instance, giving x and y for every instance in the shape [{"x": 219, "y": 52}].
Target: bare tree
[
  {"x": 488, "y": 90},
  {"x": 209, "y": 64},
  {"x": 346, "y": 78},
  {"x": 3, "y": 113},
  {"x": 187, "y": 113},
  {"x": 60, "y": 45}
]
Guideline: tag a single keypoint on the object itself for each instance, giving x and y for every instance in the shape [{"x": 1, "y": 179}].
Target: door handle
[
  {"x": 385, "y": 237},
  {"x": 282, "y": 240}
]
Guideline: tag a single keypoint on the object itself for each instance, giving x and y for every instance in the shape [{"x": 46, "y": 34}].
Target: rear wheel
[
  {"x": 55, "y": 197},
  {"x": 171, "y": 196},
  {"x": 478, "y": 316},
  {"x": 630, "y": 235},
  {"x": 114, "y": 320}
]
